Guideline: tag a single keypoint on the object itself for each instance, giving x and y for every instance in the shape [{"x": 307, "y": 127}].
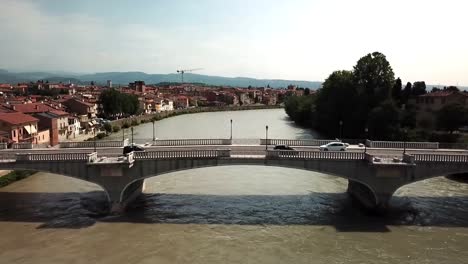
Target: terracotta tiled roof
[
  {"x": 17, "y": 118},
  {"x": 32, "y": 108},
  {"x": 59, "y": 113}
]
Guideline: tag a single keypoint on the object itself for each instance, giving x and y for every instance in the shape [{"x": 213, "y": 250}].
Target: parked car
[
  {"x": 131, "y": 148},
  {"x": 334, "y": 146}
]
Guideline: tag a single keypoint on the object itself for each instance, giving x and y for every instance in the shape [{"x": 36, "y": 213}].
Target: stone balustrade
[
  {"x": 296, "y": 142},
  {"x": 22, "y": 145},
  {"x": 181, "y": 154},
  {"x": 90, "y": 144},
  {"x": 191, "y": 142},
  {"x": 440, "y": 158},
  {"x": 315, "y": 155},
  {"x": 3, "y": 145},
  {"x": 401, "y": 144},
  {"x": 52, "y": 156}
]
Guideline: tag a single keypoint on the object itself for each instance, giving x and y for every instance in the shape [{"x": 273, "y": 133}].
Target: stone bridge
[{"x": 372, "y": 178}]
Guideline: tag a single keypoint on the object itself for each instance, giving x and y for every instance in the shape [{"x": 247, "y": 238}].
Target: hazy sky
[{"x": 290, "y": 39}]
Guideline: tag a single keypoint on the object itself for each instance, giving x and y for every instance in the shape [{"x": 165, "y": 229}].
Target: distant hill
[{"x": 124, "y": 78}]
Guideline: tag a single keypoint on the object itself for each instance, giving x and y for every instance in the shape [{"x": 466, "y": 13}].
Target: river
[{"x": 239, "y": 214}]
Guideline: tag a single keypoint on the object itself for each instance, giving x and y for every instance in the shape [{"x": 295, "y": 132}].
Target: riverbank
[{"x": 14, "y": 176}]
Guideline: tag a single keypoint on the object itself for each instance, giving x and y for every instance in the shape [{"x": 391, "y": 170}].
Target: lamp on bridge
[
  {"x": 341, "y": 129},
  {"x": 405, "y": 133},
  {"x": 266, "y": 138},
  {"x": 231, "y": 130},
  {"x": 94, "y": 133},
  {"x": 154, "y": 136},
  {"x": 365, "y": 142}
]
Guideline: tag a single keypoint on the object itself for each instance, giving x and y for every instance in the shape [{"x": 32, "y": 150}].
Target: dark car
[
  {"x": 131, "y": 148},
  {"x": 285, "y": 150},
  {"x": 282, "y": 147}
]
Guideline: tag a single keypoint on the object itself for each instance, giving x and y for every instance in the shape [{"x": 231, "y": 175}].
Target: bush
[
  {"x": 125, "y": 125},
  {"x": 134, "y": 122},
  {"x": 143, "y": 121},
  {"x": 101, "y": 135},
  {"x": 108, "y": 127},
  {"x": 115, "y": 129}
]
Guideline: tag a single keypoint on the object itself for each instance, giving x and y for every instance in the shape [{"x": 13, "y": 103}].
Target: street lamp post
[
  {"x": 405, "y": 131},
  {"x": 132, "y": 135},
  {"x": 266, "y": 136},
  {"x": 94, "y": 133},
  {"x": 341, "y": 129},
  {"x": 231, "y": 130},
  {"x": 123, "y": 133},
  {"x": 365, "y": 142},
  {"x": 154, "y": 136}
]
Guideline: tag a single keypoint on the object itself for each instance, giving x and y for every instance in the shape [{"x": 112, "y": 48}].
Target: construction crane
[{"x": 184, "y": 71}]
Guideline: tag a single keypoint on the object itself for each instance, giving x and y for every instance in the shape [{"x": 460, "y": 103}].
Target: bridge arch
[
  {"x": 369, "y": 190},
  {"x": 62, "y": 174}
]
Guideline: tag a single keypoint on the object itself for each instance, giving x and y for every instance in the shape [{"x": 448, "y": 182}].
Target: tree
[
  {"x": 306, "y": 91},
  {"x": 406, "y": 93},
  {"x": 374, "y": 78},
  {"x": 115, "y": 103},
  {"x": 384, "y": 121},
  {"x": 419, "y": 88},
  {"x": 451, "y": 89},
  {"x": 451, "y": 117},
  {"x": 435, "y": 89},
  {"x": 397, "y": 90},
  {"x": 336, "y": 102}
]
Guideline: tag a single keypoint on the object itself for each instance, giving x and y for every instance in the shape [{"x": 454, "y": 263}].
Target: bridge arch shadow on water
[{"x": 81, "y": 210}]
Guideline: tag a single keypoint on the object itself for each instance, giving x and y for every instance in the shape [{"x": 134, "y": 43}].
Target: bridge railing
[
  {"x": 315, "y": 155},
  {"x": 401, "y": 144},
  {"x": 296, "y": 142},
  {"x": 191, "y": 142},
  {"x": 181, "y": 154},
  {"x": 439, "y": 158},
  {"x": 52, "y": 156},
  {"x": 90, "y": 144},
  {"x": 22, "y": 145}
]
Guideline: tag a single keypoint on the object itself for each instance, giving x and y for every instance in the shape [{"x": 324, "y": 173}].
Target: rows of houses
[{"x": 48, "y": 113}]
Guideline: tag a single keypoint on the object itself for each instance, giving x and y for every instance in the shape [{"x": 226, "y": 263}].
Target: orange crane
[{"x": 184, "y": 71}]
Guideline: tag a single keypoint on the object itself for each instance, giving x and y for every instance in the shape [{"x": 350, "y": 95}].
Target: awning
[{"x": 31, "y": 129}]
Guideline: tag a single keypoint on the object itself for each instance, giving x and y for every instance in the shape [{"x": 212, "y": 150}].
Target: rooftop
[{"x": 17, "y": 118}]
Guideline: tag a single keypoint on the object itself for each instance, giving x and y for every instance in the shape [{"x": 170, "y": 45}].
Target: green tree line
[{"x": 367, "y": 98}]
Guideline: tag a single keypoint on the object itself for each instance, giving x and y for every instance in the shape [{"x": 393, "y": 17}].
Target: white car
[{"x": 334, "y": 146}]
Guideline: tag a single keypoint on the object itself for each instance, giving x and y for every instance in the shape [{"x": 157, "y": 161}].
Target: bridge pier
[
  {"x": 372, "y": 199},
  {"x": 120, "y": 198}
]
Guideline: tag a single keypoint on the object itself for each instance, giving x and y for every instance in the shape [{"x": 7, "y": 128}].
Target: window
[{"x": 14, "y": 133}]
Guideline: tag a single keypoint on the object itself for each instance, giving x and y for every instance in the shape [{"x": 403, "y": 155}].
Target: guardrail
[
  {"x": 90, "y": 144},
  {"x": 296, "y": 142},
  {"x": 3, "y": 145},
  {"x": 22, "y": 145},
  {"x": 440, "y": 158},
  {"x": 190, "y": 142},
  {"x": 402, "y": 144},
  {"x": 316, "y": 155},
  {"x": 52, "y": 156},
  {"x": 181, "y": 154}
]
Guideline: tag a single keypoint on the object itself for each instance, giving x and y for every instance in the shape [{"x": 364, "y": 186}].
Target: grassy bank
[
  {"x": 116, "y": 125},
  {"x": 15, "y": 176}
]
